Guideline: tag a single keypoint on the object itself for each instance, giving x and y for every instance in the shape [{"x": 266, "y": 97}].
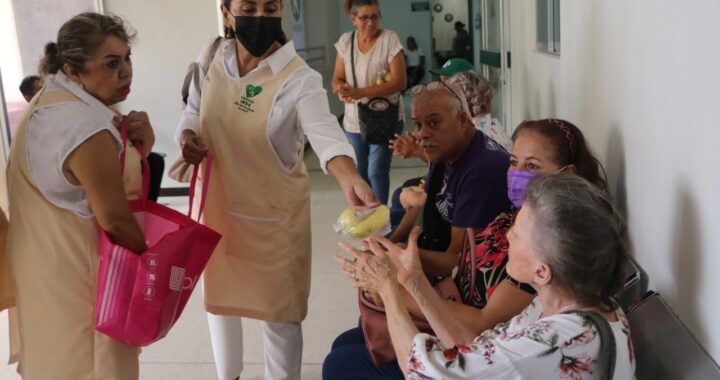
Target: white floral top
[{"x": 562, "y": 346}]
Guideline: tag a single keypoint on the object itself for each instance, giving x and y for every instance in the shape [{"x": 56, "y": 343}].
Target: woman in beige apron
[
  {"x": 258, "y": 100},
  {"x": 64, "y": 186}
]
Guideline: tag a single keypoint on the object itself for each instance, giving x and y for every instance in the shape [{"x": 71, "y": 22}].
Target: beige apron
[
  {"x": 7, "y": 293},
  {"x": 261, "y": 268},
  {"x": 55, "y": 266}
]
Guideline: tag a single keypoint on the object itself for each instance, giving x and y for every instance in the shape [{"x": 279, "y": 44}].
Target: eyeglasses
[
  {"x": 364, "y": 18},
  {"x": 432, "y": 86}
]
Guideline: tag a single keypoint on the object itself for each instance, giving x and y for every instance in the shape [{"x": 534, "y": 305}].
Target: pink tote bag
[{"x": 141, "y": 297}]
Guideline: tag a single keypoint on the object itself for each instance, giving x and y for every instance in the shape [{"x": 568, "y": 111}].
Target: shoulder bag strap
[
  {"x": 352, "y": 58},
  {"x": 206, "y": 63},
  {"x": 608, "y": 349},
  {"x": 471, "y": 245}
]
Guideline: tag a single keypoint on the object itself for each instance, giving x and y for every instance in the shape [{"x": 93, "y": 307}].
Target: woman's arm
[
  {"x": 400, "y": 325},
  {"x": 506, "y": 302},
  {"x": 339, "y": 80},
  {"x": 356, "y": 190},
  {"x": 404, "y": 264},
  {"x": 441, "y": 264},
  {"x": 413, "y": 202},
  {"x": 140, "y": 131},
  {"x": 381, "y": 271},
  {"x": 449, "y": 329},
  {"x": 407, "y": 223},
  {"x": 95, "y": 166},
  {"x": 397, "y": 82}
]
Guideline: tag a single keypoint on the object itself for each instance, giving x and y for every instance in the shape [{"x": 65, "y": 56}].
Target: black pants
[
  {"x": 415, "y": 75},
  {"x": 157, "y": 167}
]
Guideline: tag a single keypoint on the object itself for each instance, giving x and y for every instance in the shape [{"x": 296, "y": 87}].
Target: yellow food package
[{"x": 363, "y": 222}]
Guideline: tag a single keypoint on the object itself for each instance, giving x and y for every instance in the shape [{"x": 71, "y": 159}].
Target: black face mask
[{"x": 258, "y": 33}]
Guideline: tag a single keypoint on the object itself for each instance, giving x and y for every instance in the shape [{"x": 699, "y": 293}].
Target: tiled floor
[{"x": 186, "y": 354}]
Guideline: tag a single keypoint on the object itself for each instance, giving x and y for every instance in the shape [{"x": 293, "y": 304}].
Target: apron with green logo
[{"x": 261, "y": 268}]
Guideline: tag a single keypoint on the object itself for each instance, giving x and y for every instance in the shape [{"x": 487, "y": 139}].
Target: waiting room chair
[
  {"x": 664, "y": 348},
  {"x": 636, "y": 284}
]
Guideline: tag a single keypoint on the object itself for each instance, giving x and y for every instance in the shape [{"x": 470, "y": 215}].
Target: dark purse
[
  {"x": 374, "y": 321},
  {"x": 379, "y": 116}
]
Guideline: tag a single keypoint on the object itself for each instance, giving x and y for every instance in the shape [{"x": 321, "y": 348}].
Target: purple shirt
[{"x": 474, "y": 188}]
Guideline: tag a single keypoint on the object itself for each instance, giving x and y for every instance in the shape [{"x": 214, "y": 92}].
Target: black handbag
[{"x": 379, "y": 116}]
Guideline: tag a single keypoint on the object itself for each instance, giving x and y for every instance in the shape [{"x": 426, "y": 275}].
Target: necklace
[{"x": 566, "y": 308}]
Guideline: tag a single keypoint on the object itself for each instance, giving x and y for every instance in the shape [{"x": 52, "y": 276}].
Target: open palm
[{"x": 406, "y": 260}]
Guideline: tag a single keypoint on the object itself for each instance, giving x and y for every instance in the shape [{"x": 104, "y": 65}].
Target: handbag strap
[
  {"x": 207, "y": 60},
  {"x": 472, "y": 248},
  {"x": 145, "y": 164},
  {"x": 608, "y": 349},
  {"x": 352, "y": 58},
  {"x": 205, "y": 185},
  {"x": 473, "y": 256}
]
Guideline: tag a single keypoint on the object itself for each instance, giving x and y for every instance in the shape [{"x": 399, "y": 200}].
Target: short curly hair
[{"x": 478, "y": 91}]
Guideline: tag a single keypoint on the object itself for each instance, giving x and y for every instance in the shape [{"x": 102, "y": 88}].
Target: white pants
[{"x": 283, "y": 348}]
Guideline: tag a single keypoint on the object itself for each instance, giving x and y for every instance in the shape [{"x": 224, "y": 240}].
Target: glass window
[{"x": 548, "y": 26}]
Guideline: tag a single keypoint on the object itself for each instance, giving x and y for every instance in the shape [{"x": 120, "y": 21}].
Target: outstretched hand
[
  {"x": 405, "y": 260},
  {"x": 358, "y": 193},
  {"x": 386, "y": 266}
]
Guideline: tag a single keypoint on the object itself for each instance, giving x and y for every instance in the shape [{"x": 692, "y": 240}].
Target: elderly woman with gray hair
[{"x": 567, "y": 243}]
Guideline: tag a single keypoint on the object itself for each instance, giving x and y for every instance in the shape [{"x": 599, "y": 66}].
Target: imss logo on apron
[{"x": 246, "y": 103}]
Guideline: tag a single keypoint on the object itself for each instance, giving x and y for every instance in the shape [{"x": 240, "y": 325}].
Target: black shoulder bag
[
  {"x": 606, "y": 359},
  {"x": 379, "y": 116}
]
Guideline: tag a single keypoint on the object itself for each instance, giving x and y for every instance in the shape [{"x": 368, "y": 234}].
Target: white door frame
[{"x": 505, "y": 70}]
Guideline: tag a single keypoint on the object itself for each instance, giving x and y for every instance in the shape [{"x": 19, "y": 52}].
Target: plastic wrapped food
[{"x": 363, "y": 222}]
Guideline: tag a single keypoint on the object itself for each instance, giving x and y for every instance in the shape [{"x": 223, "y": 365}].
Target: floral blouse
[
  {"x": 491, "y": 258},
  {"x": 562, "y": 346}
]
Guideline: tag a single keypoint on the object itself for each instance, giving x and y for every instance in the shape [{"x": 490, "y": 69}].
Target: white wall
[
  {"x": 25, "y": 27},
  {"x": 170, "y": 34},
  {"x": 641, "y": 79},
  {"x": 321, "y": 27}
]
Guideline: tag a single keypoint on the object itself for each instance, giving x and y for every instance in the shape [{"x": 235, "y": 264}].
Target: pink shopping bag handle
[
  {"x": 205, "y": 185},
  {"x": 146, "y": 165},
  {"x": 146, "y": 174}
]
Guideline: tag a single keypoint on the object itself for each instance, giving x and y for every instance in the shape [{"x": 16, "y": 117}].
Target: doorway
[
  {"x": 446, "y": 14},
  {"x": 492, "y": 54}
]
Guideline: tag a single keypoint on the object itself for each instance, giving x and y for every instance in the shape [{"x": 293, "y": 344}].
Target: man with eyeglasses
[{"x": 466, "y": 183}]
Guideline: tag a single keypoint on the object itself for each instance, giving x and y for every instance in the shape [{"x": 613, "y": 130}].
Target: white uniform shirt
[
  {"x": 368, "y": 68},
  {"x": 413, "y": 57},
  {"x": 55, "y": 131},
  {"x": 301, "y": 107}
]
